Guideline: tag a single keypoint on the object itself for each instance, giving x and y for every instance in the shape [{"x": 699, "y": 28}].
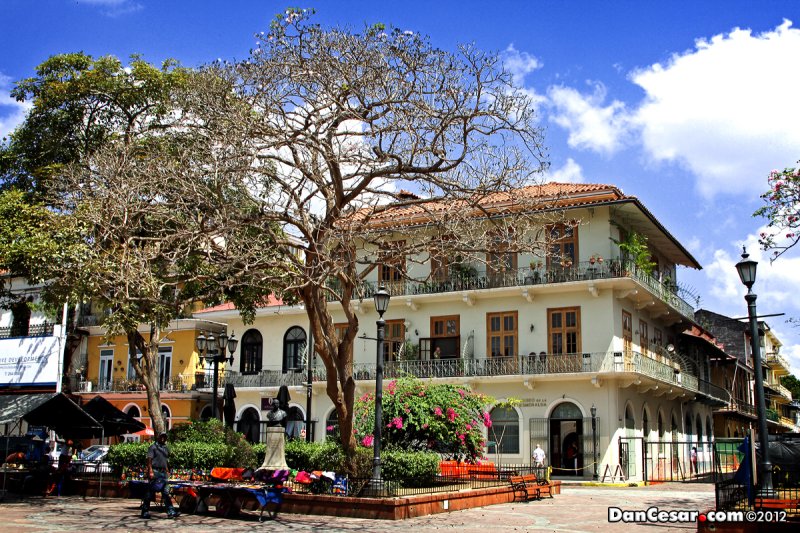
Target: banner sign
[{"x": 27, "y": 361}]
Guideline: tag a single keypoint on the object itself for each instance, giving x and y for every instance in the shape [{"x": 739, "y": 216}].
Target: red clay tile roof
[
  {"x": 548, "y": 196},
  {"x": 228, "y": 306}
]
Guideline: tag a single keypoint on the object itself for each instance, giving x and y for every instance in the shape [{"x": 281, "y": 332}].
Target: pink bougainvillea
[{"x": 367, "y": 441}]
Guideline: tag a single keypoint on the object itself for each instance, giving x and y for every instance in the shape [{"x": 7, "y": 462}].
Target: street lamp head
[
  {"x": 211, "y": 343},
  {"x": 201, "y": 342},
  {"x": 222, "y": 341},
  {"x": 233, "y": 342},
  {"x": 594, "y": 411},
  {"x": 382, "y": 298},
  {"x": 747, "y": 269}
]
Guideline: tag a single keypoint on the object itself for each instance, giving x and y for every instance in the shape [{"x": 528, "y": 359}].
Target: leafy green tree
[
  {"x": 79, "y": 102},
  {"x": 793, "y": 384},
  {"x": 154, "y": 222},
  {"x": 447, "y": 419},
  {"x": 782, "y": 211}
]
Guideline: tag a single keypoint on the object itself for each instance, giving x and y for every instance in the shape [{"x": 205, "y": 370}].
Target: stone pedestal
[{"x": 275, "y": 459}]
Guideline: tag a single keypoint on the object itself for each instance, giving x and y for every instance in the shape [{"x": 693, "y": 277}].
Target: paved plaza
[{"x": 578, "y": 509}]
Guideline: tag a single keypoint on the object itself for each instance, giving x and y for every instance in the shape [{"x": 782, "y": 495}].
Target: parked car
[
  {"x": 91, "y": 449},
  {"x": 94, "y": 462}
]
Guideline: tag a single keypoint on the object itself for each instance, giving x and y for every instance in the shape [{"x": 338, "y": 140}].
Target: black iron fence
[{"x": 488, "y": 477}]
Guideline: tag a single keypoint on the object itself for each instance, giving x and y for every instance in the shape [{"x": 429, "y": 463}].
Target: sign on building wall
[{"x": 29, "y": 361}]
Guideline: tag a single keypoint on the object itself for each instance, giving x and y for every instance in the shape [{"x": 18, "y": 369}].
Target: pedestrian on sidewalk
[{"x": 158, "y": 474}]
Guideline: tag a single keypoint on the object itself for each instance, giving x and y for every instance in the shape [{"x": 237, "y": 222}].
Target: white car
[{"x": 96, "y": 461}]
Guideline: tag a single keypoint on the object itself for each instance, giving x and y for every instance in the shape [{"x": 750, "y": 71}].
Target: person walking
[
  {"x": 158, "y": 474},
  {"x": 538, "y": 456}
]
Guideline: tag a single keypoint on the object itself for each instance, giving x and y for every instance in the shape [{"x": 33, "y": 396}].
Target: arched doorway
[
  {"x": 295, "y": 422},
  {"x": 627, "y": 450},
  {"x": 133, "y": 411},
  {"x": 205, "y": 414},
  {"x": 566, "y": 439},
  {"x": 250, "y": 425}
]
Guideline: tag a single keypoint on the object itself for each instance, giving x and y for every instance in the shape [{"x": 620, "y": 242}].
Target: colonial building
[
  {"x": 734, "y": 373},
  {"x": 593, "y": 331}
]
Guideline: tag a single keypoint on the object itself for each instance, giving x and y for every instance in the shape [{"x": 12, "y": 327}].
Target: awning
[
  {"x": 65, "y": 417},
  {"x": 14, "y": 406},
  {"x": 114, "y": 421}
]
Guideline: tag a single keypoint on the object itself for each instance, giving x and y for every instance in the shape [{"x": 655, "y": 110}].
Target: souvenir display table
[{"x": 227, "y": 498}]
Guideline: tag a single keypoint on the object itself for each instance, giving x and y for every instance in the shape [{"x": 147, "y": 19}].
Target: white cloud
[
  {"x": 114, "y": 8},
  {"x": 776, "y": 286},
  {"x": 12, "y": 113},
  {"x": 727, "y": 110},
  {"x": 519, "y": 65},
  {"x": 591, "y": 124},
  {"x": 570, "y": 172}
]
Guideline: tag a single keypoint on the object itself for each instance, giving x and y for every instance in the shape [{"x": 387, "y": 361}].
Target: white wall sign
[{"x": 29, "y": 361}]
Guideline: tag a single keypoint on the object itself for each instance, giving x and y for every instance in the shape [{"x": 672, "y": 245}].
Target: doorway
[{"x": 566, "y": 427}]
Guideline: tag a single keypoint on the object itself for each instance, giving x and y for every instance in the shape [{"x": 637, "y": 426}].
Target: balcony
[
  {"x": 30, "y": 330},
  {"x": 543, "y": 276},
  {"x": 778, "y": 363},
  {"x": 601, "y": 364},
  {"x": 740, "y": 407},
  {"x": 780, "y": 389},
  {"x": 177, "y": 383},
  {"x": 274, "y": 377}
]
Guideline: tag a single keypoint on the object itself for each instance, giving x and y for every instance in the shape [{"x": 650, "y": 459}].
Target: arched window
[
  {"x": 687, "y": 427},
  {"x": 134, "y": 411},
  {"x": 250, "y": 425},
  {"x": 294, "y": 345},
  {"x": 629, "y": 420},
  {"x": 332, "y": 425},
  {"x": 645, "y": 424},
  {"x": 250, "y": 357},
  {"x": 167, "y": 416},
  {"x": 295, "y": 422},
  {"x": 699, "y": 425},
  {"x": 205, "y": 414},
  {"x": 660, "y": 430},
  {"x": 709, "y": 431},
  {"x": 504, "y": 431}
]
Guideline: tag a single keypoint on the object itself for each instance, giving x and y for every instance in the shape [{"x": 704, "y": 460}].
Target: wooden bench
[
  {"x": 527, "y": 486},
  {"x": 778, "y": 504}
]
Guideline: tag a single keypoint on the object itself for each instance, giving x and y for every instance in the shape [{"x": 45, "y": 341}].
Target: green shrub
[
  {"x": 128, "y": 456},
  {"x": 299, "y": 454},
  {"x": 260, "y": 451},
  {"x": 201, "y": 455},
  {"x": 411, "y": 469}
]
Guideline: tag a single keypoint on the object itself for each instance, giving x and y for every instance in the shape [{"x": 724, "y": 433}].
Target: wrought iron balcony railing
[
  {"x": 520, "y": 277},
  {"x": 176, "y": 383},
  {"x": 526, "y": 365},
  {"x": 29, "y": 330}
]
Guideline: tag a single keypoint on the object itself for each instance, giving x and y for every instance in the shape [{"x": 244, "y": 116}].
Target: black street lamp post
[
  {"x": 212, "y": 350},
  {"x": 594, "y": 440},
  {"x": 747, "y": 273},
  {"x": 381, "y": 299}
]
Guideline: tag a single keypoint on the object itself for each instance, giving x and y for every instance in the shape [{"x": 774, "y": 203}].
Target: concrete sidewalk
[{"x": 578, "y": 509}]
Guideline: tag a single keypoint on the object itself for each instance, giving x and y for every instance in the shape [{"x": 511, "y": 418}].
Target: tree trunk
[{"x": 147, "y": 371}]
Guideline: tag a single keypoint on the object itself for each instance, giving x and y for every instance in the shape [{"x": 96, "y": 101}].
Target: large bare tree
[{"x": 379, "y": 146}]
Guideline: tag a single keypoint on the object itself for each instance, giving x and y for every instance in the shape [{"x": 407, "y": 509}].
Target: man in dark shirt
[{"x": 158, "y": 474}]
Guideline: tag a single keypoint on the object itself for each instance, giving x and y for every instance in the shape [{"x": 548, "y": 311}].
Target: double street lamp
[
  {"x": 747, "y": 273},
  {"x": 381, "y": 299},
  {"x": 212, "y": 350}
]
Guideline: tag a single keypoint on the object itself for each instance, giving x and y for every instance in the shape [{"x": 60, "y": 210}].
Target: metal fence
[{"x": 497, "y": 476}]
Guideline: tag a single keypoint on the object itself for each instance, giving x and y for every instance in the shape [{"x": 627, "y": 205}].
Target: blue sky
[{"x": 687, "y": 105}]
